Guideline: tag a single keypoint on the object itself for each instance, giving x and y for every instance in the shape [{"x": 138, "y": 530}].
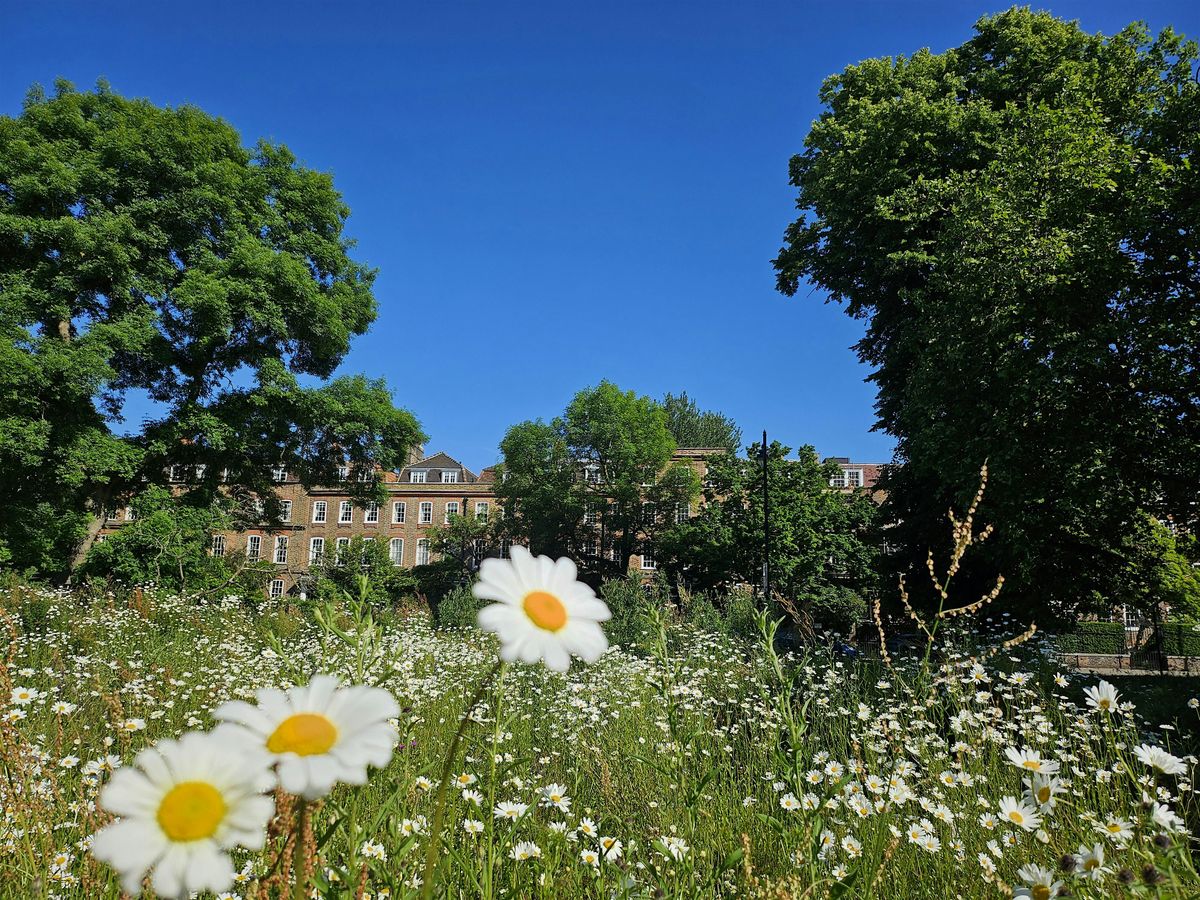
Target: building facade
[{"x": 320, "y": 520}]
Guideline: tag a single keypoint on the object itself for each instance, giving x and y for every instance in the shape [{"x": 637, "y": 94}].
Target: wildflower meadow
[{"x": 158, "y": 745}]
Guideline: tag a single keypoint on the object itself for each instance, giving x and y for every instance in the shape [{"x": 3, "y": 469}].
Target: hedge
[
  {"x": 1094, "y": 637},
  {"x": 1179, "y": 639}
]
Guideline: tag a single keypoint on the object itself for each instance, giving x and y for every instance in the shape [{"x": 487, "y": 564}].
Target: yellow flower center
[
  {"x": 1016, "y": 816},
  {"x": 1113, "y": 827},
  {"x": 305, "y": 734},
  {"x": 1043, "y": 794},
  {"x": 1091, "y": 863},
  {"x": 1105, "y": 703},
  {"x": 190, "y": 811},
  {"x": 545, "y": 610},
  {"x": 1032, "y": 764},
  {"x": 1040, "y": 892}
]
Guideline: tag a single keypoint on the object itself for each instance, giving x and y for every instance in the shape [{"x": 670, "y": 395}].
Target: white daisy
[
  {"x": 182, "y": 805},
  {"x": 1102, "y": 697},
  {"x": 542, "y": 611},
  {"x": 320, "y": 734},
  {"x": 1158, "y": 758}
]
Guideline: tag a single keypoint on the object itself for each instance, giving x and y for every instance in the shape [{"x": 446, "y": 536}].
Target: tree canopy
[
  {"x": 1017, "y": 220},
  {"x": 145, "y": 249},
  {"x": 596, "y": 483},
  {"x": 693, "y": 427},
  {"x": 822, "y": 540}
]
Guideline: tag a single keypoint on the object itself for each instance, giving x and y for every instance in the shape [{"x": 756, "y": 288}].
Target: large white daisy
[
  {"x": 541, "y": 611},
  {"x": 319, "y": 734},
  {"x": 182, "y": 805}
]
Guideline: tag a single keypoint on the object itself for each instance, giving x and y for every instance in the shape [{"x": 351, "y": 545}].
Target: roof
[{"x": 437, "y": 463}]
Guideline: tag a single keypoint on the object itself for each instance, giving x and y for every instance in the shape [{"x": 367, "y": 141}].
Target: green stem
[
  {"x": 435, "y": 834},
  {"x": 298, "y": 892}
]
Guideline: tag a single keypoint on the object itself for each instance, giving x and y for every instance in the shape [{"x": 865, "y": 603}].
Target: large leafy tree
[
  {"x": 597, "y": 483},
  {"x": 1018, "y": 220},
  {"x": 822, "y": 540},
  {"x": 146, "y": 250},
  {"x": 694, "y": 427}
]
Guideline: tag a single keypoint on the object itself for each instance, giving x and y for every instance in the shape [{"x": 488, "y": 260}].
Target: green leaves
[{"x": 1011, "y": 218}]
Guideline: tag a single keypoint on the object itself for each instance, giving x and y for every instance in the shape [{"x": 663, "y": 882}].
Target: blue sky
[{"x": 553, "y": 192}]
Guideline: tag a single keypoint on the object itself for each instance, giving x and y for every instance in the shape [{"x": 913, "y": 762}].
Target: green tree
[
  {"x": 339, "y": 572},
  {"x": 170, "y": 543},
  {"x": 693, "y": 427},
  {"x": 466, "y": 541},
  {"x": 1016, "y": 220},
  {"x": 596, "y": 484},
  {"x": 823, "y": 542},
  {"x": 145, "y": 249}
]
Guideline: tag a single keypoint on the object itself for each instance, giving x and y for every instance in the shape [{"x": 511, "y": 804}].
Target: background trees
[
  {"x": 146, "y": 250},
  {"x": 694, "y": 427},
  {"x": 1017, "y": 220},
  {"x": 596, "y": 483},
  {"x": 822, "y": 544}
]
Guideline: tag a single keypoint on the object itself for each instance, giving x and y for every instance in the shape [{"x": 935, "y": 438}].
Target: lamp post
[{"x": 766, "y": 569}]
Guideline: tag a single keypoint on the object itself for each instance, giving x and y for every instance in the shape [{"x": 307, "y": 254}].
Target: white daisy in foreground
[
  {"x": 541, "y": 610},
  {"x": 320, "y": 734},
  {"x": 182, "y": 805},
  {"x": 1158, "y": 758},
  {"x": 1102, "y": 697},
  {"x": 1019, "y": 813}
]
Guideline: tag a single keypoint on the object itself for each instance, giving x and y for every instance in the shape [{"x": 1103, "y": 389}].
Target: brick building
[{"x": 319, "y": 520}]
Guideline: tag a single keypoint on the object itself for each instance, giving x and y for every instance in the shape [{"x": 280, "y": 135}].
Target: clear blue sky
[{"x": 554, "y": 192}]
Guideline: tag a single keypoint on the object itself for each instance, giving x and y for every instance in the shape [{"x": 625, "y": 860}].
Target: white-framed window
[
  {"x": 218, "y": 545},
  {"x": 254, "y": 548},
  {"x": 276, "y": 588},
  {"x": 364, "y": 475},
  {"x": 854, "y": 477},
  {"x": 591, "y": 474},
  {"x": 341, "y": 544},
  {"x": 130, "y": 514},
  {"x": 285, "y": 510},
  {"x": 320, "y": 511},
  {"x": 343, "y": 473},
  {"x": 505, "y": 549},
  {"x": 279, "y": 473},
  {"x": 200, "y": 469},
  {"x": 682, "y": 512},
  {"x": 281, "y": 550},
  {"x": 371, "y": 516},
  {"x": 398, "y": 512},
  {"x": 481, "y": 510},
  {"x": 449, "y": 477},
  {"x": 423, "y": 552},
  {"x": 590, "y": 516},
  {"x": 648, "y": 560},
  {"x": 451, "y": 510},
  {"x": 224, "y": 474},
  {"x": 425, "y": 513},
  {"x": 177, "y": 473},
  {"x": 345, "y": 512},
  {"x": 111, "y": 514},
  {"x": 396, "y": 551},
  {"x": 839, "y": 479},
  {"x": 316, "y": 549},
  {"x": 416, "y": 476},
  {"x": 648, "y": 512}
]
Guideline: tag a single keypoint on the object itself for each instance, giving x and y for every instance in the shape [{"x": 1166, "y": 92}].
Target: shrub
[
  {"x": 1094, "y": 637},
  {"x": 458, "y": 609},
  {"x": 627, "y": 599},
  {"x": 1180, "y": 639}
]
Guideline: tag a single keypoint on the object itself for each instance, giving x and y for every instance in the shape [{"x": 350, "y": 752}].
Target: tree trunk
[{"x": 100, "y": 502}]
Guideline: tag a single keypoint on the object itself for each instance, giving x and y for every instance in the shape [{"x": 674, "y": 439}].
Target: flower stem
[
  {"x": 435, "y": 834},
  {"x": 298, "y": 867}
]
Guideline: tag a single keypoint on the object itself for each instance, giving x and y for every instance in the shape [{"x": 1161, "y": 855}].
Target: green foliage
[
  {"x": 838, "y": 608},
  {"x": 1180, "y": 639},
  {"x": 1010, "y": 217},
  {"x": 628, "y": 600},
  {"x": 169, "y": 543},
  {"x": 144, "y": 248},
  {"x": 693, "y": 427},
  {"x": 820, "y": 538},
  {"x": 596, "y": 484},
  {"x": 1094, "y": 637},
  {"x": 439, "y": 578},
  {"x": 458, "y": 609},
  {"x": 341, "y": 572},
  {"x": 465, "y": 541}
]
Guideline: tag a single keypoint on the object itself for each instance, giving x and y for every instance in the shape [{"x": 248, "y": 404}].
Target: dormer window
[
  {"x": 416, "y": 476},
  {"x": 279, "y": 474},
  {"x": 449, "y": 477},
  {"x": 592, "y": 474},
  {"x": 343, "y": 473},
  {"x": 838, "y": 480},
  {"x": 854, "y": 477}
]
